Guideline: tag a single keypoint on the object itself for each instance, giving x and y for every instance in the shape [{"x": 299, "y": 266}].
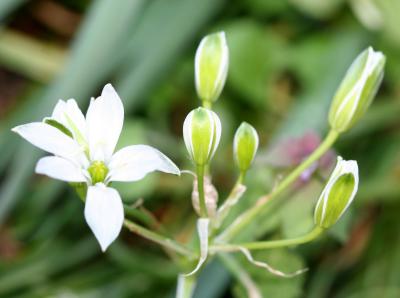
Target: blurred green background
[{"x": 286, "y": 59}]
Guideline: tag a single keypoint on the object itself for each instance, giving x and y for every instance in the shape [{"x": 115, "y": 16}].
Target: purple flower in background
[{"x": 290, "y": 152}]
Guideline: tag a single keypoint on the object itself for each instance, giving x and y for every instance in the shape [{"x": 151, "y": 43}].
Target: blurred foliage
[{"x": 286, "y": 59}]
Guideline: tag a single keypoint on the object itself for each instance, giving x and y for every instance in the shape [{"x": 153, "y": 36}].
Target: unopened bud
[
  {"x": 338, "y": 193},
  {"x": 201, "y": 133},
  {"x": 245, "y": 145},
  {"x": 211, "y": 66},
  {"x": 357, "y": 90}
]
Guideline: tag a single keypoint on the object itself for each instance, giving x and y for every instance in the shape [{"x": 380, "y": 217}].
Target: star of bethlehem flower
[{"x": 83, "y": 151}]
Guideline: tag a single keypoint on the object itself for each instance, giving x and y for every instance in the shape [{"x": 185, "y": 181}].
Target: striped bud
[
  {"x": 201, "y": 133},
  {"x": 211, "y": 66},
  {"x": 357, "y": 90},
  {"x": 338, "y": 193},
  {"x": 245, "y": 145}
]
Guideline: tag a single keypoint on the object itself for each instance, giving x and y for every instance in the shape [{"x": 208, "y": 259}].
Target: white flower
[{"x": 83, "y": 149}]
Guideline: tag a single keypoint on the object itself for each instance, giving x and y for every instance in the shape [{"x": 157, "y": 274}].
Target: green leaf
[{"x": 256, "y": 58}]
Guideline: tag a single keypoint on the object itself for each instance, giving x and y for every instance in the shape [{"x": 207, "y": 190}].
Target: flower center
[{"x": 98, "y": 171}]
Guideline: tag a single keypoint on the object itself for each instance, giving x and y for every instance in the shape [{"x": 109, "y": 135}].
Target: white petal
[
  {"x": 52, "y": 140},
  {"x": 58, "y": 111},
  {"x": 342, "y": 167},
  {"x": 104, "y": 213},
  {"x": 60, "y": 168},
  {"x": 69, "y": 115},
  {"x": 105, "y": 117},
  {"x": 223, "y": 69},
  {"x": 217, "y": 132},
  {"x": 351, "y": 166},
  {"x": 132, "y": 163},
  {"x": 187, "y": 133}
]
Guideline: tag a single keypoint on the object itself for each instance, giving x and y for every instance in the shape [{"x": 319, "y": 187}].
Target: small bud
[
  {"x": 98, "y": 172},
  {"x": 245, "y": 145},
  {"x": 211, "y": 66},
  {"x": 338, "y": 193},
  {"x": 201, "y": 132},
  {"x": 357, "y": 90}
]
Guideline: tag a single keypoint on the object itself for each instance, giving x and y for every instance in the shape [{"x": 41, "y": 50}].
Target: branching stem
[
  {"x": 268, "y": 244},
  {"x": 159, "y": 239},
  {"x": 248, "y": 216}
]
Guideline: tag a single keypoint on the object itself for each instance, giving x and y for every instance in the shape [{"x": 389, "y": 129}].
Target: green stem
[
  {"x": 139, "y": 215},
  {"x": 230, "y": 201},
  {"x": 185, "y": 287},
  {"x": 157, "y": 238},
  {"x": 200, "y": 189},
  {"x": 240, "y": 178},
  {"x": 207, "y": 104},
  {"x": 248, "y": 216},
  {"x": 269, "y": 244}
]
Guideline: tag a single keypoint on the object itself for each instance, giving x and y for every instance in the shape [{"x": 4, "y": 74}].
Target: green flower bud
[
  {"x": 357, "y": 90},
  {"x": 338, "y": 193},
  {"x": 98, "y": 171},
  {"x": 201, "y": 132},
  {"x": 245, "y": 145},
  {"x": 211, "y": 66}
]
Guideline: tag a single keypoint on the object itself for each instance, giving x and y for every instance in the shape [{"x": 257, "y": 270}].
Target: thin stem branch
[
  {"x": 241, "y": 275},
  {"x": 233, "y": 197},
  {"x": 159, "y": 239},
  {"x": 207, "y": 104},
  {"x": 139, "y": 215},
  {"x": 249, "y": 215},
  {"x": 200, "y": 189},
  {"x": 317, "y": 231}
]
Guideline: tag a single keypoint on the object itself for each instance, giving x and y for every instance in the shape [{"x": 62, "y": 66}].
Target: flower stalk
[
  {"x": 248, "y": 216},
  {"x": 232, "y": 199},
  {"x": 200, "y": 188},
  {"x": 258, "y": 245},
  {"x": 159, "y": 239},
  {"x": 186, "y": 285}
]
